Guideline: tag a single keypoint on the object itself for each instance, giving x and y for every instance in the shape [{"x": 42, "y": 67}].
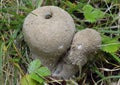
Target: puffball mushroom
[
  {"x": 84, "y": 43},
  {"x": 48, "y": 31}
]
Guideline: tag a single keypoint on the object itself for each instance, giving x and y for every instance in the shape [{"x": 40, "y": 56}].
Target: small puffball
[
  {"x": 48, "y": 31},
  {"x": 84, "y": 43}
]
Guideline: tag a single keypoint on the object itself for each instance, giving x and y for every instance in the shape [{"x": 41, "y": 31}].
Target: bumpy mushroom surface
[
  {"x": 48, "y": 31},
  {"x": 84, "y": 43}
]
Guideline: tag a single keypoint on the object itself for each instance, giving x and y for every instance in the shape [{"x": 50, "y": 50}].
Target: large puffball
[{"x": 48, "y": 31}]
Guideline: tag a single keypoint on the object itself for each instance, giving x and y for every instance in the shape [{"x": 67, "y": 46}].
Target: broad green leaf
[
  {"x": 111, "y": 48},
  {"x": 34, "y": 65},
  {"x": 36, "y": 77},
  {"x": 26, "y": 80},
  {"x": 88, "y": 8},
  {"x": 97, "y": 14},
  {"x": 110, "y": 45},
  {"x": 43, "y": 71},
  {"x": 92, "y": 14}
]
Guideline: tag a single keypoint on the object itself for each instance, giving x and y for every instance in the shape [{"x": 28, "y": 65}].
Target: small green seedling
[
  {"x": 36, "y": 74},
  {"x": 92, "y": 14},
  {"x": 111, "y": 46}
]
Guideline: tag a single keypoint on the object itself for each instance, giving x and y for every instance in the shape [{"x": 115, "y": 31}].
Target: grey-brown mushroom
[
  {"x": 85, "y": 43},
  {"x": 48, "y": 31}
]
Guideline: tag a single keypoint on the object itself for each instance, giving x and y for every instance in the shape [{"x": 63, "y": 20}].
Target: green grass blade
[
  {"x": 109, "y": 77},
  {"x": 1, "y": 55}
]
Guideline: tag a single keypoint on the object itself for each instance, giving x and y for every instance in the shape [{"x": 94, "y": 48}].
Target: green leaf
[
  {"x": 110, "y": 48},
  {"x": 34, "y": 65},
  {"x": 88, "y": 8},
  {"x": 26, "y": 80},
  {"x": 38, "y": 73},
  {"x": 43, "y": 71},
  {"x": 110, "y": 45},
  {"x": 37, "y": 78},
  {"x": 92, "y": 14}
]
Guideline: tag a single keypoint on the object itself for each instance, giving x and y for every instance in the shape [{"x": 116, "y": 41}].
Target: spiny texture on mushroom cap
[
  {"x": 84, "y": 43},
  {"x": 48, "y": 32}
]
